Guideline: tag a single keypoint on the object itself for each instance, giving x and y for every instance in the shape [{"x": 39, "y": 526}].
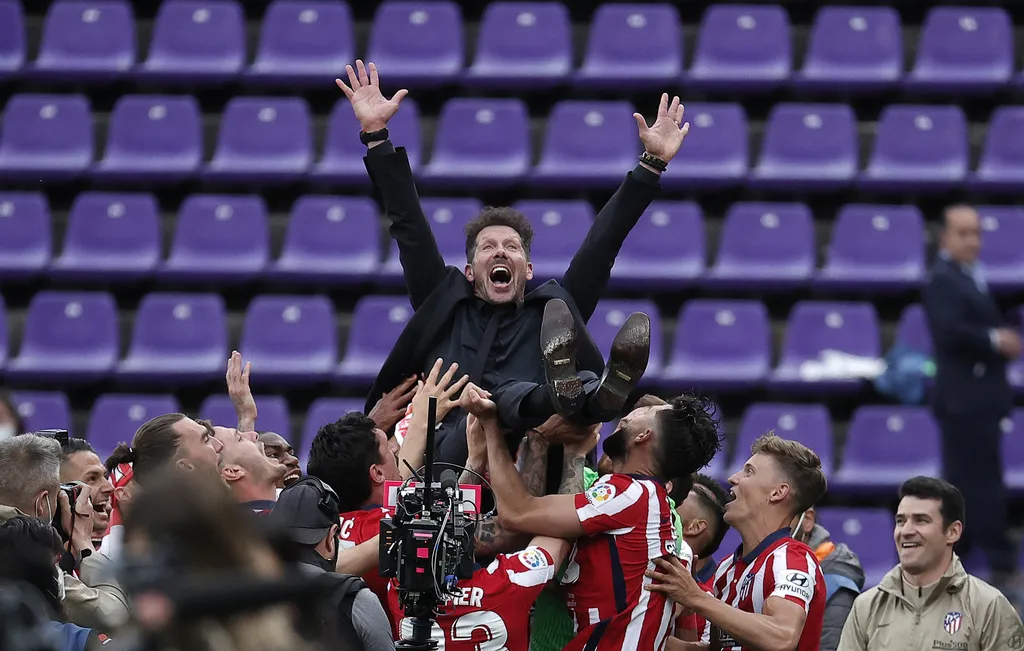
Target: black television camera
[{"x": 427, "y": 545}]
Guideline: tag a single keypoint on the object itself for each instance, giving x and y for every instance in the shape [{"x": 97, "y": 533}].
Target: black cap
[{"x": 298, "y": 512}]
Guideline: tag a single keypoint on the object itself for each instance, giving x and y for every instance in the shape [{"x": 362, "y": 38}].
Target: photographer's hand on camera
[{"x": 81, "y": 526}]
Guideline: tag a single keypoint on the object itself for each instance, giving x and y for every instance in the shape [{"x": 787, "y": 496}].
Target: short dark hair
[
  {"x": 801, "y": 466},
  {"x": 28, "y": 550},
  {"x": 154, "y": 445},
  {"x": 75, "y": 445},
  {"x": 498, "y": 216},
  {"x": 714, "y": 498},
  {"x": 689, "y": 436},
  {"x": 341, "y": 455},
  {"x": 951, "y": 500}
]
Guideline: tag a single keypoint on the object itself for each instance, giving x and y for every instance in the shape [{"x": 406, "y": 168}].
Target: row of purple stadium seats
[
  {"x": 718, "y": 345},
  {"x": 528, "y": 44},
  {"x": 116, "y": 237},
  {"x": 486, "y": 143}
]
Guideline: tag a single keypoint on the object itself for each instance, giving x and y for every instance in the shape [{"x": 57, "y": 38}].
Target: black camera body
[{"x": 73, "y": 490}]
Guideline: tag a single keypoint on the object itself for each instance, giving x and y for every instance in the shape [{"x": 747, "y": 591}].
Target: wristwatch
[
  {"x": 653, "y": 161},
  {"x": 373, "y": 136}
]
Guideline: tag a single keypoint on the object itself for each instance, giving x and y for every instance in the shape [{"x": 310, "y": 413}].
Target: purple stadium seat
[
  {"x": 808, "y": 424},
  {"x": 720, "y": 345},
  {"x": 588, "y": 144},
  {"x": 808, "y": 147},
  {"x": 764, "y": 245},
  {"x": 322, "y": 412},
  {"x": 68, "y": 337},
  {"x": 417, "y": 44},
  {"x": 292, "y": 340},
  {"x": 609, "y": 317},
  {"x": 875, "y": 247},
  {"x": 302, "y": 41},
  {"x": 868, "y": 532},
  {"x": 665, "y": 250},
  {"x": 522, "y": 44},
  {"x": 45, "y": 137},
  {"x": 196, "y": 41},
  {"x": 885, "y": 446},
  {"x": 1002, "y": 257},
  {"x": 482, "y": 143},
  {"x": 559, "y": 229},
  {"x": 152, "y": 138},
  {"x": 633, "y": 46},
  {"x": 963, "y": 49},
  {"x": 177, "y": 339},
  {"x": 853, "y": 48},
  {"x": 12, "y": 38},
  {"x": 376, "y": 323},
  {"x": 742, "y": 46},
  {"x": 86, "y": 41},
  {"x": 110, "y": 238},
  {"x": 815, "y": 327},
  {"x": 43, "y": 410},
  {"x": 717, "y": 148},
  {"x": 912, "y": 329},
  {"x": 342, "y": 160},
  {"x": 25, "y": 235},
  {"x": 273, "y": 414},
  {"x": 918, "y": 148},
  {"x": 330, "y": 240},
  {"x": 262, "y": 140},
  {"x": 1001, "y": 167},
  {"x": 116, "y": 417},
  {"x": 448, "y": 218},
  {"x": 219, "y": 237}
]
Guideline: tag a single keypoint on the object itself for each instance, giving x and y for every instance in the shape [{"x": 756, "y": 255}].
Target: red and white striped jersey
[
  {"x": 779, "y": 567},
  {"x": 493, "y": 613},
  {"x": 627, "y": 521}
]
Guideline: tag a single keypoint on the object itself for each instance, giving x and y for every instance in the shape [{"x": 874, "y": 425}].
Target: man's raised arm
[{"x": 392, "y": 178}]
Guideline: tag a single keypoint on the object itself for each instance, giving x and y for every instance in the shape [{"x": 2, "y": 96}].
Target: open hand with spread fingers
[
  {"x": 443, "y": 389},
  {"x": 372, "y": 109},
  {"x": 663, "y": 138},
  {"x": 673, "y": 580}
]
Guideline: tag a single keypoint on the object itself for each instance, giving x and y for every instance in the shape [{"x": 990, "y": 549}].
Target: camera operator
[
  {"x": 251, "y": 475},
  {"x": 307, "y": 513},
  {"x": 79, "y": 462}
]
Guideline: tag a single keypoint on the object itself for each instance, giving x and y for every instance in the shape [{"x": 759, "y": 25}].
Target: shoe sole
[
  {"x": 558, "y": 348},
  {"x": 631, "y": 350}
]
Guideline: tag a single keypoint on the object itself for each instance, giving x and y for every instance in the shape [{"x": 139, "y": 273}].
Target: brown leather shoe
[
  {"x": 627, "y": 361},
  {"x": 558, "y": 347}
]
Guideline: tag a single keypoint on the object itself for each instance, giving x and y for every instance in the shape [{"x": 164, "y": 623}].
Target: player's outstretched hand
[
  {"x": 372, "y": 109},
  {"x": 663, "y": 138},
  {"x": 478, "y": 402},
  {"x": 674, "y": 581}
]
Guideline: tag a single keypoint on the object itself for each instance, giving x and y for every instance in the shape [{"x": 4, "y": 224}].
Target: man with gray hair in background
[{"x": 30, "y": 485}]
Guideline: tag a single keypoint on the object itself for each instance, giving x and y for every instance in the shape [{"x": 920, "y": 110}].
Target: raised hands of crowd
[
  {"x": 371, "y": 108},
  {"x": 478, "y": 402},
  {"x": 574, "y": 437},
  {"x": 664, "y": 138},
  {"x": 237, "y": 377},
  {"x": 391, "y": 407},
  {"x": 446, "y": 389}
]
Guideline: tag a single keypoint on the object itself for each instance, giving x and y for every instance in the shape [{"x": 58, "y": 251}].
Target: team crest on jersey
[
  {"x": 952, "y": 622},
  {"x": 748, "y": 582},
  {"x": 600, "y": 493},
  {"x": 533, "y": 559}
]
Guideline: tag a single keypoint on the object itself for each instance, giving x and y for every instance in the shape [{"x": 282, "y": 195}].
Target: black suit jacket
[{"x": 970, "y": 374}]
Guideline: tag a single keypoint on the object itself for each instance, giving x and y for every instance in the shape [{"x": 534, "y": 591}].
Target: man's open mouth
[
  {"x": 501, "y": 276},
  {"x": 292, "y": 477}
]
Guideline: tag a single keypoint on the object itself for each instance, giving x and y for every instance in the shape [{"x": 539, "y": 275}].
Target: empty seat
[
  {"x": 110, "y": 237},
  {"x": 808, "y": 424},
  {"x": 377, "y": 321},
  {"x": 664, "y": 250},
  {"x": 116, "y": 417},
  {"x": 522, "y": 44},
  {"x": 322, "y": 412},
  {"x": 1002, "y": 257},
  {"x": 273, "y": 413},
  {"x": 330, "y": 240},
  {"x": 177, "y": 339},
  {"x": 1001, "y": 166},
  {"x": 720, "y": 345},
  {"x": 342, "y": 160},
  {"x": 152, "y": 138},
  {"x": 609, "y": 317},
  {"x": 290, "y": 339},
  {"x": 196, "y": 41},
  {"x": 448, "y": 218},
  {"x": 302, "y": 41},
  {"x": 633, "y": 46},
  {"x": 764, "y": 245},
  {"x": 717, "y": 148},
  {"x": 588, "y": 144},
  {"x": 740, "y": 47},
  {"x": 480, "y": 142},
  {"x": 886, "y": 445},
  {"x": 25, "y": 234},
  {"x": 219, "y": 237},
  {"x": 559, "y": 229},
  {"x": 814, "y": 329},
  {"x": 912, "y": 329},
  {"x": 45, "y": 137},
  {"x": 853, "y": 48},
  {"x": 87, "y": 40},
  {"x": 12, "y": 37},
  {"x": 866, "y": 532},
  {"x": 68, "y": 337},
  {"x": 808, "y": 147},
  {"x": 963, "y": 49},
  {"x": 43, "y": 410},
  {"x": 417, "y": 44},
  {"x": 263, "y": 139},
  {"x": 875, "y": 247},
  {"x": 918, "y": 148}
]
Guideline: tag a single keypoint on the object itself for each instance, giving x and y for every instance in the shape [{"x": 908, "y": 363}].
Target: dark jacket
[{"x": 844, "y": 580}]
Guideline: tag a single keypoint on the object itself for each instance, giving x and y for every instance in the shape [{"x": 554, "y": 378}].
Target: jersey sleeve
[
  {"x": 794, "y": 572},
  {"x": 606, "y": 505},
  {"x": 530, "y": 568}
]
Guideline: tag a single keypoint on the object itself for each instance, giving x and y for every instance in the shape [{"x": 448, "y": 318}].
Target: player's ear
[
  {"x": 529, "y": 271},
  {"x": 469, "y": 272}
]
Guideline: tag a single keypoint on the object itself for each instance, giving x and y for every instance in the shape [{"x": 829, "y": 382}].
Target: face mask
[{"x": 7, "y": 430}]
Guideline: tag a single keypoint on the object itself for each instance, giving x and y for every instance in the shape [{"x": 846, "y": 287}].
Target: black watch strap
[
  {"x": 373, "y": 136},
  {"x": 653, "y": 161}
]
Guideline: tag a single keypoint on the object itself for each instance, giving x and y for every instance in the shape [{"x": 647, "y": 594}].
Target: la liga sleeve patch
[
  {"x": 533, "y": 559},
  {"x": 600, "y": 493}
]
